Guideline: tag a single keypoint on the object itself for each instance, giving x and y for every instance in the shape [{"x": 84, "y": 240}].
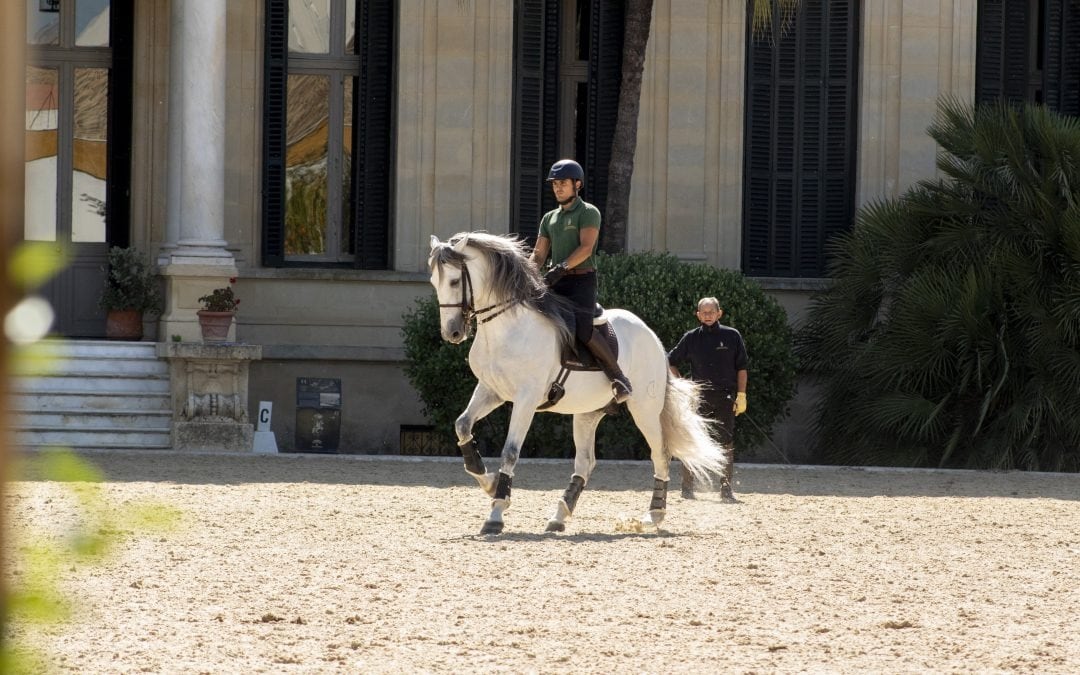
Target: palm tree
[
  {"x": 950, "y": 334},
  {"x": 766, "y": 14}
]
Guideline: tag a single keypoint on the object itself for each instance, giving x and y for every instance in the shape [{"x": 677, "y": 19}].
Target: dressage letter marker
[{"x": 264, "y": 437}]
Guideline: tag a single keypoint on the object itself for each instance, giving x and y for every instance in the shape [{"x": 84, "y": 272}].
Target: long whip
[{"x": 775, "y": 447}]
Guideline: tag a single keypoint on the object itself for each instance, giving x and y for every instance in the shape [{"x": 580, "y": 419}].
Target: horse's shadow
[{"x": 577, "y": 536}]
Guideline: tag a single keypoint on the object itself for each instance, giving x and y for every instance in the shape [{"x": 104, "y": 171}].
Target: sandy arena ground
[{"x": 310, "y": 564}]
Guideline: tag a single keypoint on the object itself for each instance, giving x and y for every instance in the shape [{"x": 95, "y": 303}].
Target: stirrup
[
  {"x": 555, "y": 394},
  {"x": 621, "y": 390}
]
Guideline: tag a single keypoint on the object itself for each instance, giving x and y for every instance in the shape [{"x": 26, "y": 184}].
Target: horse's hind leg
[
  {"x": 584, "y": 462},
  {"x": 649, "y": 425},
  {"x": 481, "y": 404}
]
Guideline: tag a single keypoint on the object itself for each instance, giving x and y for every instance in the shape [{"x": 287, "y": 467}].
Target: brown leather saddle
[{"x": 577, "y": 357}]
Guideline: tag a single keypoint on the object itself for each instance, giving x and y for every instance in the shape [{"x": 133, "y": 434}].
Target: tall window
[
  {"x": 567, "y": 73},
  {"x": 1029, "y": 50},
  {"x": 69, "y": 77},
  {"x": 798, "y": 185},
  {"x": 78, "y": 146},
  {"x": 328, "y": 129}
]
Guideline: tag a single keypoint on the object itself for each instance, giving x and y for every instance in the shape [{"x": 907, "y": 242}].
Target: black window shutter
[
  {"x": 536, "y": 45},
  {"x": 799, "y": 186},
  {"x": 1061, "y": 63},
  {"x": 274, "y": 80},
  {"x": 118, "y": 181},
  {"x": 374, "y": 123},
  {"x": 1001, "y": 57},
  {"x": 840, "y": 101},
  {"x": 605, "y": 80}
]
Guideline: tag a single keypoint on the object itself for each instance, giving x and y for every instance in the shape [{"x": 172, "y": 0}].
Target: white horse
[{"x": 516, "y": 355}]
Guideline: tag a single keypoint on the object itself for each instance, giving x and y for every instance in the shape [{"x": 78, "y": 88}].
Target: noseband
[{"x": 468, "y": 311}]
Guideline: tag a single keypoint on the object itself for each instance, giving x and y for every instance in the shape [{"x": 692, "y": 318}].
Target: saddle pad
[{"x": 578, "y": 356}]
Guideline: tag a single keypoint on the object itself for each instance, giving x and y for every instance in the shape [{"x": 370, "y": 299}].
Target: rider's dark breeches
[{"x": 581, "y": 290}]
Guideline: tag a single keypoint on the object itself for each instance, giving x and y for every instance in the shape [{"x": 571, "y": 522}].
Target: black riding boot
[
  {"x": 726, "y": 494},
  {"x": 620, "y": 385}
]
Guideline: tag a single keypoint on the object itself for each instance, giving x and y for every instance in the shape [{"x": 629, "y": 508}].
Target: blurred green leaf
[{"x": 35, "y": 262}]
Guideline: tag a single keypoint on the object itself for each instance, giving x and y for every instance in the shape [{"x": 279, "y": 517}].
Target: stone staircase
[{"x": 99, "y": 394}]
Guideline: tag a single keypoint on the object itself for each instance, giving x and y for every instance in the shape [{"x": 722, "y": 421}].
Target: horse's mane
[{"x": 512, "y": 276}]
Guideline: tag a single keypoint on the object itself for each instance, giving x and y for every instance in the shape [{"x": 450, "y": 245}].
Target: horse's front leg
[
  {"x": 520, "y": 419},
  {"x": 584, "y": 462},
  {"x": 483, "y": 401}
]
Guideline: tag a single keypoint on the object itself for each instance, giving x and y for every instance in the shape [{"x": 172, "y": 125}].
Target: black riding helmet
[{"x": 566, "y": 168}]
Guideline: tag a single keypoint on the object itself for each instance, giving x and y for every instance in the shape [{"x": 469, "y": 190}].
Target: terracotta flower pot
[
  {"x": 215, "y": 325},
  {"x": 124, "y": 324}
]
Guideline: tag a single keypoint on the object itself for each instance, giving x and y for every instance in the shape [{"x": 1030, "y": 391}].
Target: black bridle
[{"x": 468, "y": 311}]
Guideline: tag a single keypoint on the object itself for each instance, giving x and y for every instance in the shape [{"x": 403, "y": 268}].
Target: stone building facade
[{"x": 311, "y": 147}]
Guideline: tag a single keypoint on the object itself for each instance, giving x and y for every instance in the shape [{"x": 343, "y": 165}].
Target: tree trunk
[{"x": 624, "y": 145}]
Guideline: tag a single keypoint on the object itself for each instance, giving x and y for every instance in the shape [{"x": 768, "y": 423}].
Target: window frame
[{"x": 367, "y": 232}]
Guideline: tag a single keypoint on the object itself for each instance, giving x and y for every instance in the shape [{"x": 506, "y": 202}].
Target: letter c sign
[{"x": 265, "y": 409}]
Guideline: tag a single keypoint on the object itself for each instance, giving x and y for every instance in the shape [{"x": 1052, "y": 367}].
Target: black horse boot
[
  {"x": 687, "y": 483},
  {"x": 620, "y": 385}
]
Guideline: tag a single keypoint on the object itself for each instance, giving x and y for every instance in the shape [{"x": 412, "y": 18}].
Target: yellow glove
[{"x": 740, "y": 403}]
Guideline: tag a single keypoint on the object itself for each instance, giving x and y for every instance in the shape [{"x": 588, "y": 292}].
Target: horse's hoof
[
  {"x": 492, "y": 527},
  {"x": 555, "y": 526},
  {"x": 654, "y": 517}
]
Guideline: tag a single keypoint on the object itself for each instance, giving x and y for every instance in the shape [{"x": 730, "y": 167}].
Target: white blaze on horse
[{"x": 516, "y": 356}]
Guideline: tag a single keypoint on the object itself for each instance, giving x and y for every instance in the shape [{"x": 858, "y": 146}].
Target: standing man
[
  {"x": 570, "y": 233},
  {"x": 717, "y": 358}
]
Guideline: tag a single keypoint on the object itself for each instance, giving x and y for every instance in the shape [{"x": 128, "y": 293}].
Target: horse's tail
[{"x": 686, "y": 433}]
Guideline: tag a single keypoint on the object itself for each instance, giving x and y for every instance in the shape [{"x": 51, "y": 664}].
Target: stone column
[{"x": 194, "y": 259}]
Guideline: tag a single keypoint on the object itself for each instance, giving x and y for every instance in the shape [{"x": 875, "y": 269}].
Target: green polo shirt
[{"x": 563, "y": 226}]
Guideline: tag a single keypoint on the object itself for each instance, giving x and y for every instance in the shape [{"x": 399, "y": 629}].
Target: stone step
[
  {"x": 100, "y": 348},
  {"x": 97, "y": 394},
  {"x": 91, "y": 385},
  {"x": 120, "y": 420},
  {"x": 91, "y": 401},
  {"x": 102, "y": 366},
  {"x": 88, "y": 437}
]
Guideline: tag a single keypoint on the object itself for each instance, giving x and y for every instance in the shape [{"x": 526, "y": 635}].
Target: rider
[{"x": 570, "y": 233}]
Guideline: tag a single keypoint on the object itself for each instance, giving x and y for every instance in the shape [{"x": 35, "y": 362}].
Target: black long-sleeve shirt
[{"x": 715, "y": 353}]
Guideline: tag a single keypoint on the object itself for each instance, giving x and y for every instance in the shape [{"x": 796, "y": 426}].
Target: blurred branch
[{"x": 12, "y": 105}]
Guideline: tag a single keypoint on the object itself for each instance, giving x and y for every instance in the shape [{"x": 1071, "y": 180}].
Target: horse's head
[
  {"x": 454, "y": 275},
  {"x": 481, "y": 276}
]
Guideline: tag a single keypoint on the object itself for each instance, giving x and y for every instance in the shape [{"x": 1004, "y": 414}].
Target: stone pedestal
[{"x": 210, "y": 395}]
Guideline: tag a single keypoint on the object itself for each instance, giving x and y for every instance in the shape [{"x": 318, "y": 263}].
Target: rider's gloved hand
[
  {"x": 740, "y": 403},
  {"x": 554, "y": 274}
]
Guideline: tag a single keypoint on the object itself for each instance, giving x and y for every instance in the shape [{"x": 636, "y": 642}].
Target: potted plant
[
  {"x": 216, "y": 316},
  {"x": 131, "y": 290}
]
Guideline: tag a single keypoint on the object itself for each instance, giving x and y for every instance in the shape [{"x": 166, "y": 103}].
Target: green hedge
[{"x": 661, "y": 290}]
